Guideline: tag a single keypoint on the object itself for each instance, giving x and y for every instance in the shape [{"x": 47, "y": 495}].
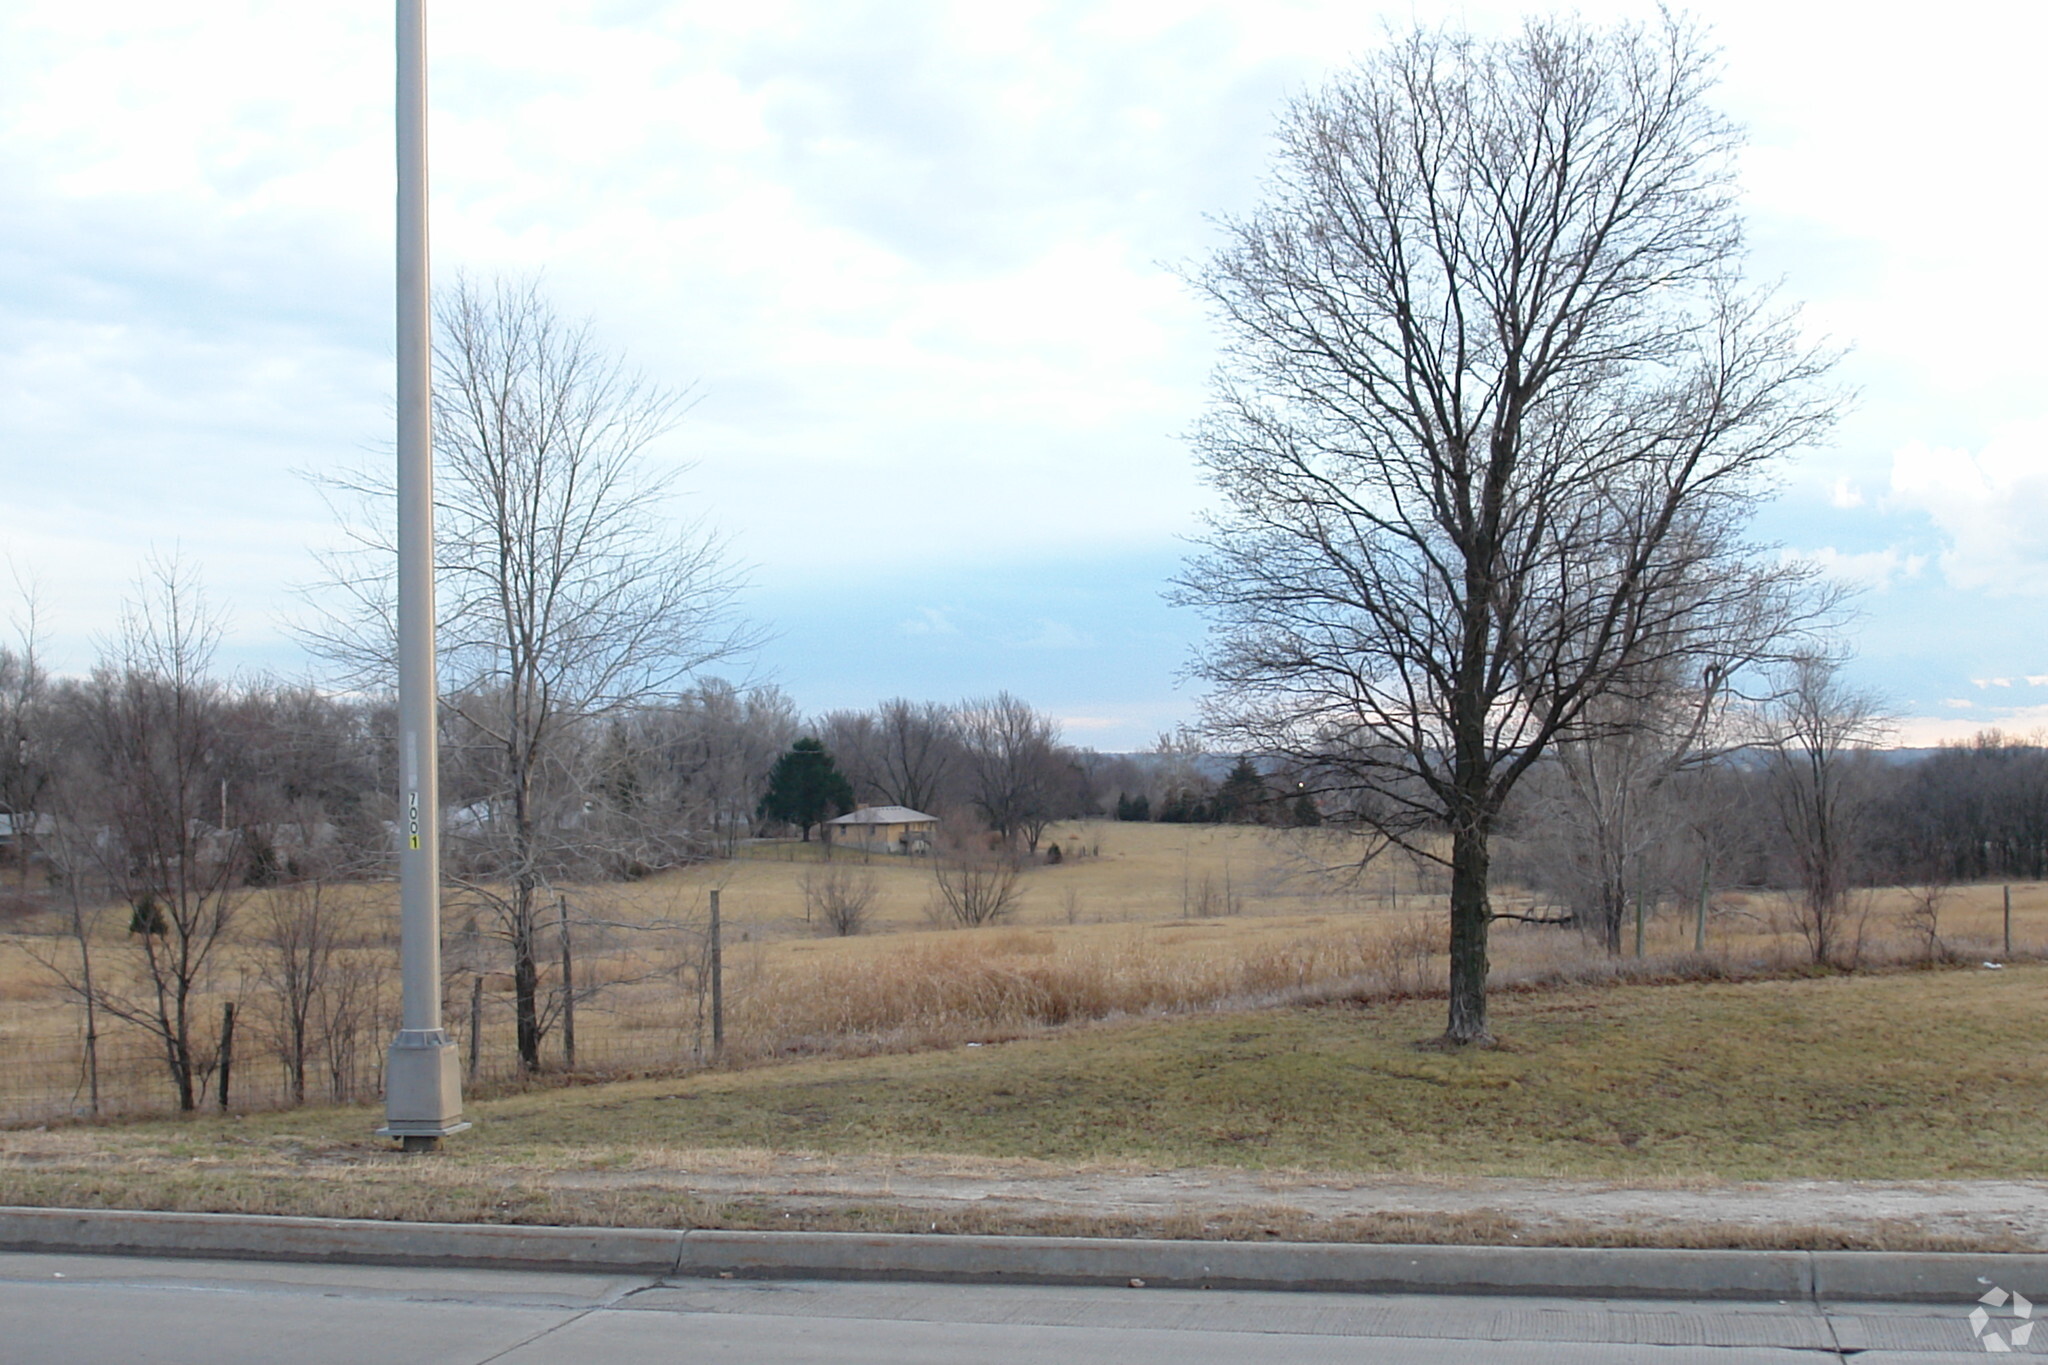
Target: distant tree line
[
  {"x": 994, "y": 760},
  {"x": 1806, "y": 803},
  {"x": 1976, "y": 811},
  {"x": 1244, "y": 796}
]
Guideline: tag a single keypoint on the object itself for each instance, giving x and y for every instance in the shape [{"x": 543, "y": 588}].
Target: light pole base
[{"x": 422, "y": 1089}]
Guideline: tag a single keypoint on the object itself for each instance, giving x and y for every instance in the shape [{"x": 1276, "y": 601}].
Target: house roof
[{"x": 883, "y": 815}]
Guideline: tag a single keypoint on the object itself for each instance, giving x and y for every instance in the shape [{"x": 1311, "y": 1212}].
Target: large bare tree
[
  {"x": 566, "y": 593},
  {"x": 919, "y": 752},
  {"x": 1017, "y": 772},
  {"x": 1493, "y": 411},
  {"x": 902, "y": 753},
  {"x": 713, "y": 749}
]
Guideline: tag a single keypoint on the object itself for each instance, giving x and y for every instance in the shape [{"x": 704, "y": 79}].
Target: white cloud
[
  {"x": 1054, "y": 635},
  {"x": 1921, "y": 732},
  {"x": 1873, "y": 569},
  {"x": 1991, "y": 508},
  {"x": 911, "y": 251},
  {"x": 1959, "y": 703},
  {"x": 928, "y": 621},
  {"x": 1991, "y": 682}
]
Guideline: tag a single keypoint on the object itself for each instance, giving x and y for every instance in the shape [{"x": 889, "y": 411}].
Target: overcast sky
[{"x": 917, "y": 261}]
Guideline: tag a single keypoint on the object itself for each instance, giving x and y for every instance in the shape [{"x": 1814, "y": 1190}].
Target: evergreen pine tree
[
  {"x": 804, "y": 785},
  {"x": 1243, "y": 798}
]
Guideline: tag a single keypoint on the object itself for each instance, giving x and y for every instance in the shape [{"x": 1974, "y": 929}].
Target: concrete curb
[
  {"x": 1569, "y": 1272},
  {"x": 361, "y": 1241},
  {"x": 1572, "y": 1272}
]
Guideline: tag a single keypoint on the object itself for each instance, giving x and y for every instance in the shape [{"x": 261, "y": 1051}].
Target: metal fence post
[{"x": 717, "y": 986}]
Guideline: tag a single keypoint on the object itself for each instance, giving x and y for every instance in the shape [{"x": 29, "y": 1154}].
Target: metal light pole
[{"x": 422, "y": 1084}]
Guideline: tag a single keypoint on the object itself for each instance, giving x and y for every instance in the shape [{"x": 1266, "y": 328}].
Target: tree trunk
[
  {"x": 1699, "y": 930},
  {"x": 183, "y": 1073},
  {"x": 525, "y": 729},
  {"x": 1613, "y": 907},
  {"x": 92, "y": 1052},
  {"x": 301, "y": 1044},
  {"x": 525, "y": 977},
  {"x": 1471, "y": 917},
  {"x": 89, "y": 998}
]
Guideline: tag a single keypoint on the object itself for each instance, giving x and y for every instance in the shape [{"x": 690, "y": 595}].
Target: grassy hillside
[
  {"x": 1914, "y": 1075},
  {"x": 1911, "y": 1075}
]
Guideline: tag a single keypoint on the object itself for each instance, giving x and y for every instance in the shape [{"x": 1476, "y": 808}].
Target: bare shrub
[
  {"x": 1921, "y": 919},
  {"x": 972, "y": 891},
  {"x": 838, "y": 899},
  {"x": 1822, "y": 776},
  {"x": 1210, "y": 897},
  {"x": 298, "y": 930},
  {"x": 1405, "y": 960},
  {"x": 349, "y": 1016}
]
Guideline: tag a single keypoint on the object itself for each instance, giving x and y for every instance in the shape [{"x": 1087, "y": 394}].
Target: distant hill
[{"x": 1217, "y": 766}]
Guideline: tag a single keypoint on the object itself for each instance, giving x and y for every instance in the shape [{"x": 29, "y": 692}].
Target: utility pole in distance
[{"x": 422, "y": 1081}]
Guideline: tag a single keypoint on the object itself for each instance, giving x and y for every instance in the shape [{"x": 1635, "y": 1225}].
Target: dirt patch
[
  {"x": 948, "y": 1194},
  {"x": 2008, "y": 1214}
]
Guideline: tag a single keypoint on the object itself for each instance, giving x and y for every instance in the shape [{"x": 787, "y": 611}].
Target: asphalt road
[{"x": 138, "y": 1311}]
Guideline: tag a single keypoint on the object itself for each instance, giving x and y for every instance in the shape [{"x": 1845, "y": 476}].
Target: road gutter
[{"x": 1351, "y": 1267}]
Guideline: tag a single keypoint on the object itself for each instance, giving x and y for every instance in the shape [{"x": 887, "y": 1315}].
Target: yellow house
[{"x": 884, "y": 829}]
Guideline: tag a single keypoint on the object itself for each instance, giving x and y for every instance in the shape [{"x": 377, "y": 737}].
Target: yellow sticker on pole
[{"x": 413, "y": 817}]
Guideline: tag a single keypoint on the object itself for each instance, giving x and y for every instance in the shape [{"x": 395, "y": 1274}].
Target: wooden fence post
[
  {"x": 476, "y": 1024},
  {"x": 227, "y": 1050},
  {"x": 1699, "y": 930}
]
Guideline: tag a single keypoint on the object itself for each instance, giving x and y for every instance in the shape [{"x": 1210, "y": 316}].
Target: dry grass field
[
  {"x": 1137, "y": 920},
  {"x": 1899, "y": 1076}
]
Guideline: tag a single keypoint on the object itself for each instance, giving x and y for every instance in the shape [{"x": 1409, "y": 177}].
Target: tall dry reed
[{"x": 998, "y": 982}]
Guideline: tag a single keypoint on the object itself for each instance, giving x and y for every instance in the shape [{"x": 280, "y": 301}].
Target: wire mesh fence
[
  {"x": 125, "y": 1072},
  {"x": 317, "y": 1033},
  {"x": 641, "y": 1004}
]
